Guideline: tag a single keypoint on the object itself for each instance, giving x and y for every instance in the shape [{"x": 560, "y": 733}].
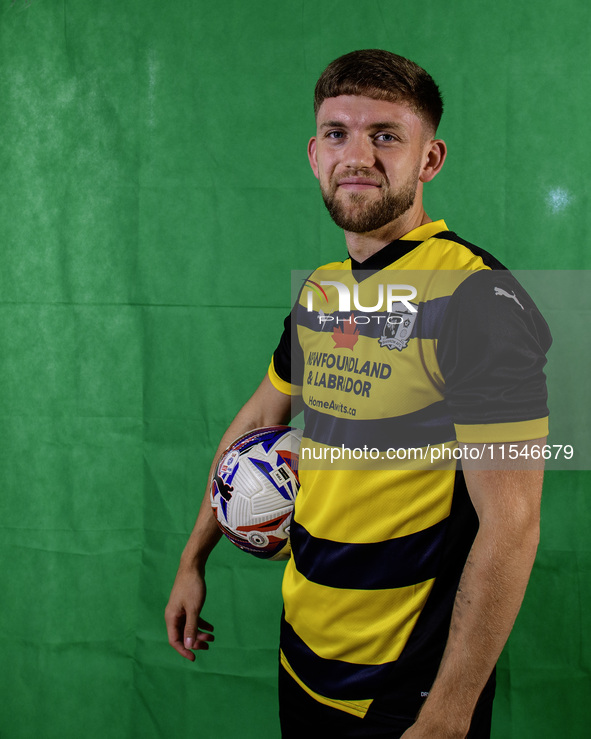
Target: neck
[{"x": 361, "y": 246}]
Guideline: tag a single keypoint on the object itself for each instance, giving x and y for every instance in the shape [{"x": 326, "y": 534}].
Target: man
[{"x": 404, "y": 582}]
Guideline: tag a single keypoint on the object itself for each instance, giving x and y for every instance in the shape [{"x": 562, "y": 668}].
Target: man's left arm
[{"x": 507, "y": 501}]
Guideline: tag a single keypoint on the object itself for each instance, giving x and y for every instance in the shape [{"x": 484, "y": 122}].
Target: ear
[
  {"x": 312, "y": 156},
  {"x": 435, "y": 153}
]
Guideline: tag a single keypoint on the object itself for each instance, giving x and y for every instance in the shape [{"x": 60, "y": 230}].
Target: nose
[{"x": 359, "y": 153}]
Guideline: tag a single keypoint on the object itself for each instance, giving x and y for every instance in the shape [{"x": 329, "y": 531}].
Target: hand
[{"x": 186, "y": 629}]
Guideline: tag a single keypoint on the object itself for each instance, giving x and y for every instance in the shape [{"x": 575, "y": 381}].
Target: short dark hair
[{"x": 381, "y": 75}]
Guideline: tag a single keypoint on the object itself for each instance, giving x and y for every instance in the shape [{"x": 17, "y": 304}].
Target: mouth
[{"x": 358, "y": 183}]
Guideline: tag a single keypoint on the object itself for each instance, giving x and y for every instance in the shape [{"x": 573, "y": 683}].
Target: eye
[
  {"x": 387, "y": 138},
  {"x": 336, "y": 135}
]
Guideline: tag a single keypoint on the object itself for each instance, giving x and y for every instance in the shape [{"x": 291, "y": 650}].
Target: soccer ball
[{"x": 253, "y": 490}]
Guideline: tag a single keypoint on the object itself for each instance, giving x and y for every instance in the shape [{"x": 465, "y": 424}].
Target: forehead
[{"x": 358, "y": 111}]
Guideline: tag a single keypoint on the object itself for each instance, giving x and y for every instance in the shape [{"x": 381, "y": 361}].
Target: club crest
[{"x": 398, "y": 328}]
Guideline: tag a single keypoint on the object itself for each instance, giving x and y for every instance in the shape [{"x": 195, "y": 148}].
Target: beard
[{"x": 357, "y": 215}]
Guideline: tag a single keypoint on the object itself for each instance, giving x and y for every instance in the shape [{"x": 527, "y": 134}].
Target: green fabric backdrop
[{"x": 154, "y": 195}]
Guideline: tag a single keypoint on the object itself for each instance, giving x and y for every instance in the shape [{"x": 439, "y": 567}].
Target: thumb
[{"x": 190, "y": 633}]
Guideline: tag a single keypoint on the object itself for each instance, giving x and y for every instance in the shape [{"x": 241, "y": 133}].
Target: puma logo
[
  {"x": 504, "y": 293},
  {"x": 224, "y": 489}
]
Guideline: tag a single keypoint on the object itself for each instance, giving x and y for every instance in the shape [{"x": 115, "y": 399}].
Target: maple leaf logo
[{"x": 346, "y": 335}]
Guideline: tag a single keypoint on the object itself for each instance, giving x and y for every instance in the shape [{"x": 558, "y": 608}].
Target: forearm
[
  {"x": 187, "y": 630},
  {"x": 487, "y": 602},
  {"x": 492, "y": 586},
  {"x": 206, "y": 533},
  {"x": 266, "y": 408}
]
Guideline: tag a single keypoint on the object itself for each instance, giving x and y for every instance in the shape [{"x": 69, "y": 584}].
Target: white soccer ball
[{"x": 253, "y": 490}]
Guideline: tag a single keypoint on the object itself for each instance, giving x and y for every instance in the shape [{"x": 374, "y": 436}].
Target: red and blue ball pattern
[{"x": 253, "y": 490}]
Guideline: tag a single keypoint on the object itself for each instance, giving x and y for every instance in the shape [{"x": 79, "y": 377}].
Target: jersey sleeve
[
  {"x": 492, "y": 352},
  {"x": 287, "y": 364}
]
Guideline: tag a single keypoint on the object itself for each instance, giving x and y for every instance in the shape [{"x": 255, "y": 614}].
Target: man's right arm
[{"x": 186, "y": 629}]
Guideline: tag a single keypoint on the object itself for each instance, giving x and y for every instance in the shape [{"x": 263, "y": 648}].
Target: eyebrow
[{"x": 374, "y": 126}]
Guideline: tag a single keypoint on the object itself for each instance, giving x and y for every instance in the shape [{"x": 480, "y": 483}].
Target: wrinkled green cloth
[{"x": 154, "y": 194}]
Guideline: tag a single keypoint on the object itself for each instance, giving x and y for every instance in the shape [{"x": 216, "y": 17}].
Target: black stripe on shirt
[
  {"x": 430, "y": 425},
  {"x": 330, "y": 677},
  {"x": 395, "y": 563}
]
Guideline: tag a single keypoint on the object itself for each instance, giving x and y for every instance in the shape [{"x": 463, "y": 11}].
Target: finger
[
  {"x": 177, "y": 644},
  {"x": 203, "y": 624},
  {"x": 195, "y": 638},
  {"x": 191, "y": 630},
  {"x": 174, "y": 628},
  {"x": 194, "y": 635},
  {"x": 186, "y": 653}
]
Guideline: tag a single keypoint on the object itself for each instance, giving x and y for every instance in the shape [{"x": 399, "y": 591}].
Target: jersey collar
[{"x": 397, "y": 249}]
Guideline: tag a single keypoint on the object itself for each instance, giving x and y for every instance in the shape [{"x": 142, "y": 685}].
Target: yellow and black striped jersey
[{"x": 428, "y": 343}]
